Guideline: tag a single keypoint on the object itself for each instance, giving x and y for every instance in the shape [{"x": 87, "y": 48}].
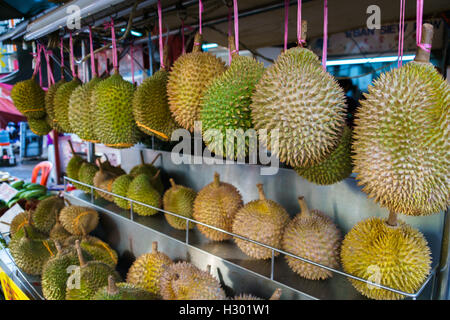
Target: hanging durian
[
  {"x": 184, "y": 281},
  {"x": 336, "y": 167},
  {"x": 141, "y": 189},
  {"x": 61, "y": 103},
  {"x": 78, "y": 220},
  {"x": 261, "y": 220},
  {"x": 226, "y": 106},
  {"x": 216, "y": 205},
  {"x": 39, "y": 127},
  {"x": 386, "y": 252},
  {"x": 312, "y": 235},
  {"x": 50, "y": 104},
  {"x": 29, "y": 98},
  {"x": 179, "y": 200},
  {"x": 402, "y": 136},
  {"x": 146, "y": 271},
  {"x": 191, "y": 74},
  {"x": 122, "y": 291},
  {"x": 302, "y": 108},
  {"x": 46, "y": 213}
]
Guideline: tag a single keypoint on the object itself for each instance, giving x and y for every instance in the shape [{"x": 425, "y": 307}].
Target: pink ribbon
[
  {"x": 230, "y": 31},
  {"x": 419, "y": 10},
  {"x": 61, "y": 51},
  {"x": 286, "y": 23},
  {"x": 161, "y": 46},
  {"x": 300, "y": 41},
  {"x": 132, "y": 63},
  {"x": 236, "y": 26},
  {"x": 401, "y": 33},
  {"x": 72, "y": 59},
  {"x": 114, "y": 44},
  {"x": 200, "y": 12},
  {"x": 94, "y": 72},
  {"x": 50, "y": 79},
  {"x": 325, "y": 35}
]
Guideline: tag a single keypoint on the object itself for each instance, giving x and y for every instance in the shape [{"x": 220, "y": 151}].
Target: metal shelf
[{"x": 274, "y": 270}]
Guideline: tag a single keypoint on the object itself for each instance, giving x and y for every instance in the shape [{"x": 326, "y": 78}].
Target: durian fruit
[
  {"x": 189, "y": 78},
  {"x": 151, "y": 107},
  {"x": 30, "y": 254},
  {"x": 275, "y": 296},
  {"x": 387, "y": 252},
  {"x": 179, "y": 200},
  {"x": 261, "y": 220},
  {"x": 96, "y": 248},
  {"x": 146, "y": 271},
  {"x": 104, "y": 180},
  {"x": 24, "y": 221},
  {"x": 150, "y": 170},
  {"x": 46, "y": 214},
  {"x": 81, "y": 111},
  {"x": 122, "y": 291},
  {"x": 226, "y": 106},
  {"x": 92, "y": 276},
  {"x": 56, "y": 272},
  {"x": 39, "y": 127},
  {"x": 78, "y": 220},
  {"x": 115, "y": 126},
  {"x": 61, "y": 104},
  {"x": 184, "y": 281},
  {"x": 120, "y": 187},
  {"x": 336, "y": 167},
  {"x": 402, "y": 136},
  {"x": 19, "y": 221},
  {"x": 49, "y": 104},
  {"x": 118, "y": 171},
  {"x": 86, "y": 175},
  {"x": 74, "y": 165},
  {"x": 301, "y": 107},
  {"x": 216, "y": 205},
  {"x": 312, "y": 235},
  {"x": 58, "y": 233},
  {"x": 29, "y": 98},
  {"x": 142, "y": 190}
]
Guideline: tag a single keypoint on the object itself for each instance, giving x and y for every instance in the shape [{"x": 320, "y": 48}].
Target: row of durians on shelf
[
  {"x": 400, "y": 147},
  {"x": 311, "y": 234},
  {"x": 53, "y": 240}
]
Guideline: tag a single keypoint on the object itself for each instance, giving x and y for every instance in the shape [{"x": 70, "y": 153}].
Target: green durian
[
  {"x": 86, "y": 175},
  {"x": 39, "y": 127},
  {"x": 150, "y": 170},
  {"x": 120, "y": 187},
  {"x": 179, "y": 200},
  {"x": 123, "y": 291},
  {"x": 46, "y": 213},
  {"x": 19, "y": 221},
  {"x": 98, "y": 249},
  {"x": 58, "y": 232},
  {"x": 49, "y": 104},
  {"x": 73, "y": 166},
  {"x": 78, "y": 220},
  {"x": 142, "y": 190},
  {"x": 61, "y": 104},
  {"x": 29, "y": 98}
]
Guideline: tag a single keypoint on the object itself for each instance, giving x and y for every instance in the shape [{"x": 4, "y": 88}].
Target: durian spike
[
  {"x": 197, "y": 43},
  {"x": 166, "y": 57},
  {"x": 392, "y": 220},
  {"x": 112, "y": 288},
  {"x": 260, "y": 187},
  {"x": 216, "y": 179},
  {"x": 304, "y": 31},
  {"x": 232, "y": 44},
  {"x": 304, "y": 210},
  {"x": 276, "y": 295},
  {"x": 79, "y": 253},
  {"x": 172, "y": 182},
  {"x": 71, "y": 147},
  {"x": 154, "y": 159},
  {"x": 427, "y": 37},
  {"x": 154, "y": 247}
]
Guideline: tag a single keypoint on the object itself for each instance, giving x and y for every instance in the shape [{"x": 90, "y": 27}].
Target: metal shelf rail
[{"x": 412, "y": 296}]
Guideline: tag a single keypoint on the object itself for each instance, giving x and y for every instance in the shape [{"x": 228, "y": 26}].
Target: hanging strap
[
  {"x": 419, "y": 20},
  {"x": 325, "y": 35},
  {"x": 132, "y": 62},
  {"x": 286, "y": 23},
  {"x": 161, "y": 45},
  {"x": 401, "y": 33},
  {"x": 61, "y": 52},
  {"x": 72, "y": 59},
  {"x": 91, "y": 48},
  {"x": 50, "y": 79},
  {"x": 230, "y": 31},
  {"x": 300, "y": 41},
  {"x": 236, "y": 26},
  {"x": 200, "y": 13},
  {"x": 114, "y": 44}
]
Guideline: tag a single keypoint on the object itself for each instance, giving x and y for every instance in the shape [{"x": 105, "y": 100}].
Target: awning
[{"x": 8, "y": 112}]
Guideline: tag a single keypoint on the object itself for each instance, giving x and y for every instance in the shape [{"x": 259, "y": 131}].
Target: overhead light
[
  {"x": 134, "y": 33},
  {"x": 367, "y": 60},
  {"x": 207, "y": 46}
]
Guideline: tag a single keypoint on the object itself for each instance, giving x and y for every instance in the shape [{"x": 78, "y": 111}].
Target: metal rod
[
  {"x": 272, "y": 267},
  {"x": 187, "y": 231},
  {"x": 131, "y": 211}
]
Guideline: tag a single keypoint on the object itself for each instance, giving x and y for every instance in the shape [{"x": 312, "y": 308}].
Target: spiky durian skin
[
  {"x": 86, "y": 175},
  {"x": 315, "y": 238},
  {"x": 226, "y": 106},
  {"x": 184, "y": 281},
  {"x": 115, "y": 125},
  {"x": 396, "y": 257},
  {"x": 179, "y": 200},
  {"x": 216, "y": 205},
  {"x": 126, "y": 291},
  {"x": 61, "y": 104},
  {"x": 73, "y": 167},
  {"x": 189, "y": 78},
  {"x": 39, "y": 127},
  {"x": 150, "y": 170},
  {"x": 305, "y": 103},
  {"x": 336, "y": 167},
  {"x": 141, "y": 190},
  {"x": 263, "y": 221},
  {"x": 402, "y": 141},
  {"x": 93, "y": 276},
  {"x": 81, "y": 111},
  {"x": 18, "y": 222},
  {"x": 120, "y": 187},
  {"x": 146, "y": 271},
  {"x": 32, "y": 233},
  {"x": 49, "y": 104},
  {"x": 78, "y": 219},
  {"x": 55, "y": 273},
  {"x": 46, "y": 213},
  {"x": 29, "y": 99},
  {"x": 96, "y": 248},
  {"x": 151, "y": 107},
  {"x": 245, "y": 296},
  {"x": 30, "y": 255},
  {"x": 58, "y": 233}
]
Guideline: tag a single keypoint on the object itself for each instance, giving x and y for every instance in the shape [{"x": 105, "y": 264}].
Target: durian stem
[
  {"x": 156, "y": 158},
  {"x": 112, "y": 288},
  {"x": 260, "y": 187},
  {"x": 304, "y": 210},
  {"x": 304, "y": 31},
  {"x": 166, "y": 57},
  {"x": 154, "y": 247},
  {"x": 172, "y": 182},
  {"x": 276, "y": 295},
  {"x": 79, "y": 253},
  {"x": 71, "y": 147},
  {"x": 58, "y": 246},
  {"x": 67, "y": 202},
  {"x": 427, "y": 38},
  {"x": 216, "y": 179},
  {"x": 25, "y": 233},
  {"x": 197, "y": 43},
  {"x": 142, "y": 157},
  {"x": 392, "y": 220},
  {"x": 232, "y": 44},
  {"x": 156, "y": 175}
]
